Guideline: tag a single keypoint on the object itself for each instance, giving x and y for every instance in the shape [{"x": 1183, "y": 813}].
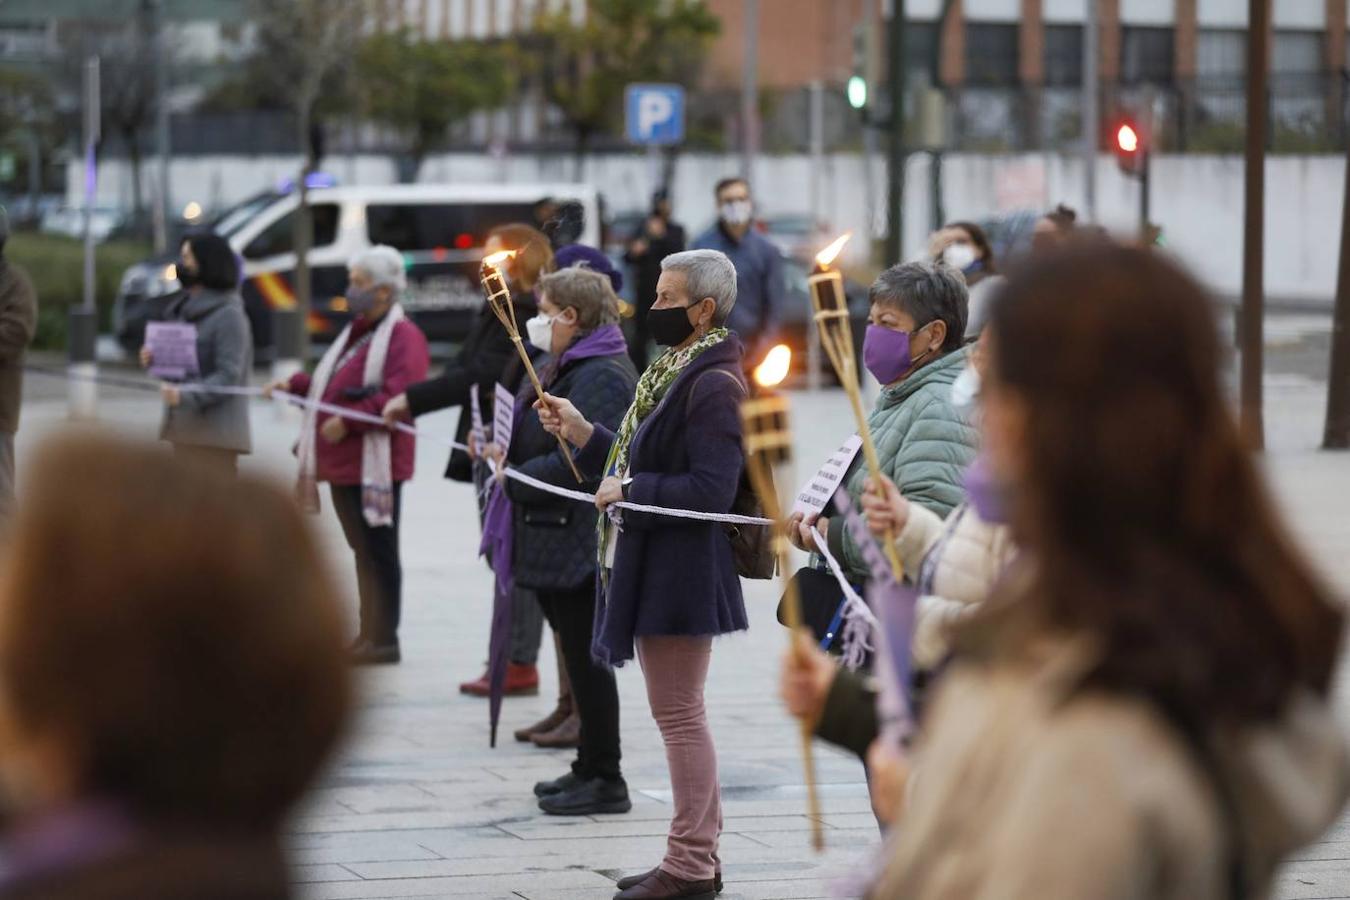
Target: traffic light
[
  {"x": 857, "y": 92},
  {"x": 1130, "y": 148}
]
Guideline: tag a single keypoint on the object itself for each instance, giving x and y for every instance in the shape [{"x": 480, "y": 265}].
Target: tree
[
  {"x": 126, "y": 82},
  {"x": 421, "y": 87},
  {"x": 587, "y": 65},
  {"x": 28, "y": 122},
  {"x": 306, "y": 43}
]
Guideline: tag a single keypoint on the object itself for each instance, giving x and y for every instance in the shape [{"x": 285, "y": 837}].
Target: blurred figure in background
[
  {"x": 212, "y": 426},
  {"x": 965, "y": 247},
  {"x": 486, "y": 357},
  {"x": 18, "y": 322},
  {"x": 376, "y": 357},
  {"x": 760, "y": 287},
  {"x": 1053, "y": 229},
  {"x": 1142, "y": 709},
  {"x": 166, "y": 702},
  {"x": 659, "y": 237}
]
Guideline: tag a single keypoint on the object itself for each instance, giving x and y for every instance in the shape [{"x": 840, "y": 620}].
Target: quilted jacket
[
  {"x": 925, "y": 443},
  {"x": 555, "y": 537}
]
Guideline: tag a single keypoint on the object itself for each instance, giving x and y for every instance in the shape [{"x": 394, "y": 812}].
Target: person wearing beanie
[{"x": 18, "y": 322}]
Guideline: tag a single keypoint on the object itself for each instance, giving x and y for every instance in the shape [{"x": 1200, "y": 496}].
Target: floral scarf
[{"x": 651, "y": 388}]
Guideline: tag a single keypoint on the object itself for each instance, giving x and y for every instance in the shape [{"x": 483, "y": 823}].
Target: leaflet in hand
[
  {"x": 816, "y": 493},
  {"x": 504, "y": 413},
  {"x": 173, "y": 349}
]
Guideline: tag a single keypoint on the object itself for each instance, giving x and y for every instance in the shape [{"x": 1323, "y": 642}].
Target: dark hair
[
  {"x": 196, "y": 672},
  {"x": 1063, "y": 217},
  {"x": 1147, "y": 522},
  {"x": 980, "y": 239},
  {"x": 926, "y": 292},
  {"x": 217, "y": 266},
  {"x": 728, "y": 182}
]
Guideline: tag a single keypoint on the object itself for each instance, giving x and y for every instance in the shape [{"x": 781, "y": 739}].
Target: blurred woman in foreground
[
  {"x": 1142, "y": 710},
  {"x": 164, "y": 703}
]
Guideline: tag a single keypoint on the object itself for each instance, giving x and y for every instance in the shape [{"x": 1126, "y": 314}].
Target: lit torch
[
  {"x": 830, "y": 302},
  {"x": 767, "y": 433},
  {"x": 499, "y": 299}
]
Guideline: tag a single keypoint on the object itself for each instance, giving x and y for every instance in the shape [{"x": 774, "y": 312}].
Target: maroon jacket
[{"x": 405, "y": 364}]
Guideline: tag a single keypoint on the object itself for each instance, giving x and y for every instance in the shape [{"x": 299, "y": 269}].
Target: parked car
[
  {"x": 797, "y": 235},
  {"x": 440, "y": 229}
]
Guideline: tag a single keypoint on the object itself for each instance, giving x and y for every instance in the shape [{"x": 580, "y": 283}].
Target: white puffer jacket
[{"x": 969, "y": 554}]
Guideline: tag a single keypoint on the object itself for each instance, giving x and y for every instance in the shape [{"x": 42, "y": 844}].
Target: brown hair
[
  {"x": 175, "y": 630},
  {"x": 980, "y": 239},
  {"x": 1149, "y": 526},
  {"x": 585, "y": 290},
  {"x": 534, "y": 253}
]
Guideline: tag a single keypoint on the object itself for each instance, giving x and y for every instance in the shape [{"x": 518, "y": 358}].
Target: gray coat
[{"x": 225, "y": 357}]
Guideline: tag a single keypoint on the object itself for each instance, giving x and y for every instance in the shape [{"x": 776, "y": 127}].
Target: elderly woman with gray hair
[
  {"x": 374, "y": 359},
  {"x": 669, "y": 586}
]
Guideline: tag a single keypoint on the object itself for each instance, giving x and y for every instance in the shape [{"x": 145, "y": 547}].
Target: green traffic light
[{"x": 857, "y": 92}]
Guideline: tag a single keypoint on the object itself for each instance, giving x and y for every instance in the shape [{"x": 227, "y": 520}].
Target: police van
[{"x": 440, "y": 229}]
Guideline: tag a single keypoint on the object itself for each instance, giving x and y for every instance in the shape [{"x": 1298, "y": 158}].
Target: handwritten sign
[
  {"x": 816, "y": 493},
  {"x": 503, "y": 418},
  {"x": 173, "y": 349},
  {"x": 476, "y": 423}
]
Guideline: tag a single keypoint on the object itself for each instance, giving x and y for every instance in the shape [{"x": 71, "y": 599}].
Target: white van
[{"x": 440, "y": 228}]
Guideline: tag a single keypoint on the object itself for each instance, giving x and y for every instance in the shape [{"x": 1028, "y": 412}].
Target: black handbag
[{"x": 820, "y": 600}]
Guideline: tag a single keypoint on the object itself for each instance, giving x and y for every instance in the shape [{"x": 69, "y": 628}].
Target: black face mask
[
  {"x": 187, "y": 277},
  {"x": 670, "y": 326}
]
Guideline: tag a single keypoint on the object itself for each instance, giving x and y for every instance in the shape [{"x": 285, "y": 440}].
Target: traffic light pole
[
  {"x": 895, "y": 157},
  {"x": 1252, "y": 328},
  {"x": 1145, "y": 167},
  {"x": 1337, "y": 433}
]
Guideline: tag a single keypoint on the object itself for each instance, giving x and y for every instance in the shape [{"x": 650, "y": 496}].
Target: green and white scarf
[{"x": 651, "y": 388}]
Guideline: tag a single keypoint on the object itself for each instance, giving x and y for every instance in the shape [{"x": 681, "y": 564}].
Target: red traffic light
[{"x": 1127, "y": 139}]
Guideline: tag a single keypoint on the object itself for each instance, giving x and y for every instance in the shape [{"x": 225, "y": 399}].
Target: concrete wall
[{"x": 1197, "y": 199}]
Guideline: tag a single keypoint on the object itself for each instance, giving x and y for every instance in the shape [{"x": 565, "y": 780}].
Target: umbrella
[{"x": 496, "y": 545}]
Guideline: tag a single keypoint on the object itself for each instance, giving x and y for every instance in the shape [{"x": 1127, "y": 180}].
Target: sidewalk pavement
[{"x": 417, "y": 805}]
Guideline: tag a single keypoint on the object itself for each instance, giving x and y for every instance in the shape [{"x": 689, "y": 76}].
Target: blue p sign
[{"x": 655, "y": 113}]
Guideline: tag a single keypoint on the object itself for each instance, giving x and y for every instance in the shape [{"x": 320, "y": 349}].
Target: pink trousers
[{"x": 675, "y": 669}]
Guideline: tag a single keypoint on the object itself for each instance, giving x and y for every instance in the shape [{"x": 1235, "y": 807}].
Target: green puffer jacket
[{"x": 925, "y": 444}]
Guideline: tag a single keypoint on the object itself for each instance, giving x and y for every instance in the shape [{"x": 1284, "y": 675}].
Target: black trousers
[
  {"x": 379, "y": 573},
  {"x": 594, "y": 691}
]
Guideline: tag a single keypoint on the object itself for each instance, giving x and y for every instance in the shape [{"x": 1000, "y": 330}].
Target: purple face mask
[
  {"x": 886, "y": 353},
  {"x": 985, "y": 493}
]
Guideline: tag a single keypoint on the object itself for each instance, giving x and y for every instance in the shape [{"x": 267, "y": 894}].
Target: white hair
[
  {"x": 383, "y": 264},
  {"x": 707, "y": 273}
]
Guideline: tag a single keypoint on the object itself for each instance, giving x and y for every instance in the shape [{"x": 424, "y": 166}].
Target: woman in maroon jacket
[{"x": 374, "y": 359}]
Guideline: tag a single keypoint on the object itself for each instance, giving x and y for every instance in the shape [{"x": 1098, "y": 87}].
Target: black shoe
[
  {"x": 624, "y": 884},
  {"x": 594, "y": 797},
  {"x": 561, "y": 785},
  {"x": 369, "y": 654}
]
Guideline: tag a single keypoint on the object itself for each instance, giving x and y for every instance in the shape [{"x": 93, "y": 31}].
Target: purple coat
[{"x": 676, "y": 576}]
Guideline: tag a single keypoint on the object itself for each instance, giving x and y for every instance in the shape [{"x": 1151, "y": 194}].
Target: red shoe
[{"x": 521, "y": 681}]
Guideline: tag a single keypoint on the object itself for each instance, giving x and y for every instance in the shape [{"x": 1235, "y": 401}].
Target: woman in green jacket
[{"x": 915, "y": 348}]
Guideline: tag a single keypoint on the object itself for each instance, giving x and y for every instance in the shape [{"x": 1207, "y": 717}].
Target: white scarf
[{"x": 377, "y": 468}]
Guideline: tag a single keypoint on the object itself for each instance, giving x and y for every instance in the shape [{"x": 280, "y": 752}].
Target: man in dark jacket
[
  {"x": 659, "y": 237},
  {"x": 18, "y": 321}
]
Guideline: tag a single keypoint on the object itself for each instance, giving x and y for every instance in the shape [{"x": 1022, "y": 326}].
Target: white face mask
[
  {"x": 540, "y": 332},
  {"x": 966, "y": 388},
  {"x": 959, "y": 256},
  {"x": 737, "y": 212}
]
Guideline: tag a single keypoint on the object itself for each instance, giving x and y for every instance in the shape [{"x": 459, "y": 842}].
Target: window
[
  {"x": 279, "y": 236},
  {"x": 1146, "y": 55},
  {"x": 1221, "y": 55},
  {"x": 991, "y": 54},
  {"x": 427, "y": 226},
  {"x": 921, "y": 50},
  {"x": 1064, "y": 55}
]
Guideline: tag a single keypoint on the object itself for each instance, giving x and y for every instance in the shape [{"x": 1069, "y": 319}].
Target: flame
[
  {"x": 496, "y": 259},
  {"x": 827, "y": 256},
  {"x": 777, "y": 362}
]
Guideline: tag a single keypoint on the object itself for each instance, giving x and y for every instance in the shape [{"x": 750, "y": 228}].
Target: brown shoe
[
  {"x": 661, "y": 885},
  {"x": 567, "y": 734},
  {"x": 624, "y": 884},
  {"x": 549, "y": 722}
]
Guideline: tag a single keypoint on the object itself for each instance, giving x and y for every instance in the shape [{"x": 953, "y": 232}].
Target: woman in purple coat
[{"x": 669, "y": 586}]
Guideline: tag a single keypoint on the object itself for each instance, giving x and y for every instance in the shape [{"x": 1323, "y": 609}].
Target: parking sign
[{"x": 654, "y": 113}]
